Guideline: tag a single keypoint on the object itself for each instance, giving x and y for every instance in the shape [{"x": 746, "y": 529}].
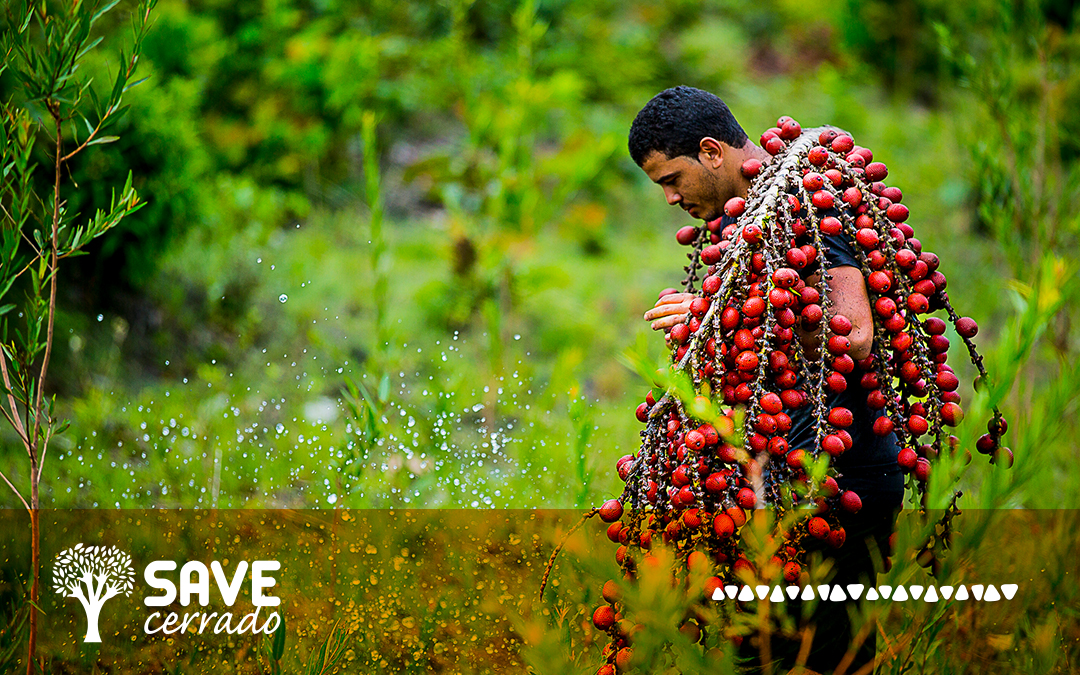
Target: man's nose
[{"x": 673, "y": 197}]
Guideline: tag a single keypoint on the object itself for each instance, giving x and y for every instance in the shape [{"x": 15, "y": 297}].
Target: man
[{"x": 687, "y": 141}]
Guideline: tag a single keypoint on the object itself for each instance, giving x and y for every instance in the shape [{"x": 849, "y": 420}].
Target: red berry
[
  {"x": 729, "y": 318},
  {"x": 752, "y": 234},
  {"x": 907, "y": 459},
  {"x": 837, "y": 537},
  {"x": 951, "y": 414},
  {"x": 885, "y": 307},
  {"x": 604, "y": 617},
  {"x": 836, "y": 382},
  {"x": 699, "y": 306},
  {"x": 967, "y": 327},
  {"x": 826, "y": 137},
  {"x": 830, "y": 225},
  {"x": 840, "y": 324},
  {"x": 840, "y": 417},
  {"x": 680, "y": 332},
  {"x": 611, "y": 510},
  {"x": 774, "y": 145},
  {"x": 771, "y": 403},
  {"x": 790, "y": 130},
  {"x": 917, "y": 424},
  {"x": 715, "y": 483},
  {"x": 876, "y": 171},
  {"x": 852, "y": 197},
  {"x": 918, "y": 303},
  {"x": 785, "y": 277},
  {"x": 746, "y": 361},
  {"x": 897, "y": 213},
  {"x": 838, "y": 344},
  {"x": 813, "y": 181},
  {"x": 922, "y": 468},
  {"x": 850, "y": 502},
  {"x": 643, "y": 412},
  {"x": 746, "y": 498},
  {"x": 735, "y": 207},
  {"x": 754, "y": 306},
  {"x": 751, "y": 167},
  {"x": 822, "y": 199},
  {"x": 613, "y": 531},
  {"x": 879, "y": 282},
  {"x": 843, "y": 144},
  {"x": 818, "y": 528},
  {"x": 812, "y": 314},
  {"x": 687, "y": 235},
  {"x": 796, "y": 258},
  {"x": 792, "y": 572},
  {"x": 867, "y": 238},
  {"x": 723, "y": 526},
  {"x": 818, "y": 156}
]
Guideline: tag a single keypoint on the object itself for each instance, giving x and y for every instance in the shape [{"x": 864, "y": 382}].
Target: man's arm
[{"x": 847, "y": 292}]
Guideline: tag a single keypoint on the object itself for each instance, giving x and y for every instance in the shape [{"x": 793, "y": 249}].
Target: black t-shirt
[{"x": 869, "y": 467}]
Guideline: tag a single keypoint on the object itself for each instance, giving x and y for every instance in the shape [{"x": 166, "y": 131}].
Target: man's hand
[{"x": 669, "y": 310}]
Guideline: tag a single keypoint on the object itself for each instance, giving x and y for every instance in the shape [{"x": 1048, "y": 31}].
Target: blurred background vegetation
[{"x": 392, "y": 250}]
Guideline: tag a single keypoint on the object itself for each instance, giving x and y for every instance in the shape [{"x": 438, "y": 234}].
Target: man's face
[{"x": 700, "y": 190}]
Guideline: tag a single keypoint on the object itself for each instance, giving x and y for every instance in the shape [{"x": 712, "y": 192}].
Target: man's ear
[{"x": 711, "y": 153}]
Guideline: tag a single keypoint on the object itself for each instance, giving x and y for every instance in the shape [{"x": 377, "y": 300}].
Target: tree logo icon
[{"x": 93, "y": 574}]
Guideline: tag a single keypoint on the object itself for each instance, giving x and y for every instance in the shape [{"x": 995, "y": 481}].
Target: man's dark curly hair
[{"x": 675, "y": 121}]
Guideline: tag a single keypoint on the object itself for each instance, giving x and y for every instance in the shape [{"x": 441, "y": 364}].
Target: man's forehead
[{"x": 657, "y": 165}]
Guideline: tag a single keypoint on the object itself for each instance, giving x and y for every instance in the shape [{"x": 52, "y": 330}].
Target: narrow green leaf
[
  {"x": 384, "y": 389},
  {"x": 278, "y": 644},
  {"x": 102, "y": 11},
  {"x": 135, "y": 83},
  {"x": 88, "y": 47},
  {"x": 103, "y": 139},
  {"x": 6, "y": 308}
]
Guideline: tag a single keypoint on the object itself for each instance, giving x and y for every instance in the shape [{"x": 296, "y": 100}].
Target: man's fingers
[
  {"x": 675, "y": 298},
  {"x": 668, "y": 321},
  {"x": 681, "y": 308}
]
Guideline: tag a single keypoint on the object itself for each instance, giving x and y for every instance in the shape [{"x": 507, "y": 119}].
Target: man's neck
[{"x": 749, "y": 151}]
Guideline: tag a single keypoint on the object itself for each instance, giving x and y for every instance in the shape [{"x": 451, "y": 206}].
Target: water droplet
[
  {"x": 100, "y": 317},
  {"x": 283, "y": 297},
  {"x": 280, "y": 427},
  {"x": 258, "y": 260}
]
